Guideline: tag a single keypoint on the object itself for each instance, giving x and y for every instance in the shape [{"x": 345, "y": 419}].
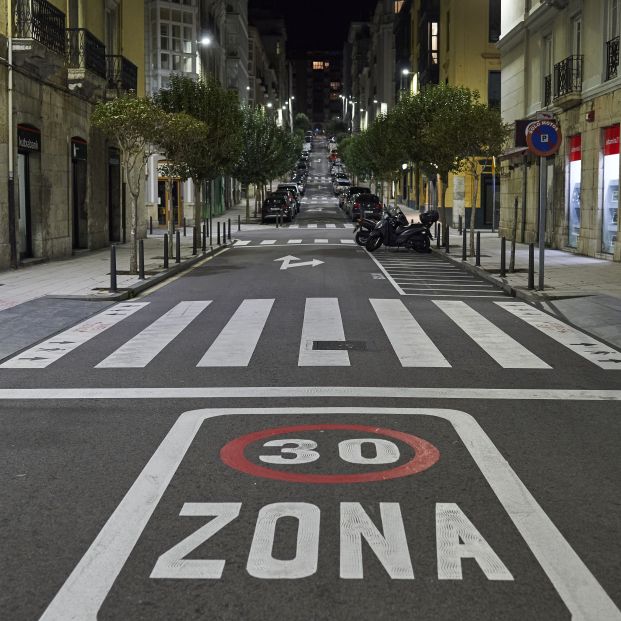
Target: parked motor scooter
[
  {"x": 393, "y": 231},
  {"x": 363, "y": 228}
]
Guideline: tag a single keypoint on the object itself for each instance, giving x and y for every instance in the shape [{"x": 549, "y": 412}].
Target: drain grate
[{"x": 332, "y": 345}]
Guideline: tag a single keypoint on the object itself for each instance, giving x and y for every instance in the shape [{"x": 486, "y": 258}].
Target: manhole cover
[{"x": 349, "y": 345}]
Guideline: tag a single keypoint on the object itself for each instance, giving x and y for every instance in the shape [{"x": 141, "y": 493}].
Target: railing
[
  {"x": 41, "y": 21},
  {"x": 85, "y": 51},
  {"x": 568, "y": 76},
  {"x": 547, "y": 90},
  {"x": 121, "y": 73},
  {"x": 612, "y": 58}
]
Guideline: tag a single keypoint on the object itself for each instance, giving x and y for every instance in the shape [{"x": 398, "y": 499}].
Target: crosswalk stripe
[
  {"x": 294, "y": 226},
  {"x": 589, "y": 348},
  {"x": 322, "y": 241},
  {"x": 311, "y": 226},
  {"x": 266, "y": 242},
  {"x": 347, "y": 241},
  {"x": 322, "y": 322},
  {"x": 349, "y": 225},
  {"x": 506, "y": 351},
  {"x": 140, "y": 350},
  {"x": 330, "y": 226},
  {"x": 410, "y": 342},
  {"x": 43, "y": 354},
  {"x": 236, "y": 343},
  {"x": 294, "y": 241},
  {"x": 239, "y": 242}
]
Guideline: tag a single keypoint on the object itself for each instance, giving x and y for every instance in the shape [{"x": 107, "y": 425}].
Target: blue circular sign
[{"x": 543, "y": 137}]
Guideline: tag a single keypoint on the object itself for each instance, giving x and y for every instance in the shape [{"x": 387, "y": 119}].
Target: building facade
[
  {"x": 561, "y": 58},
  {"x": 61, "y": 189}
]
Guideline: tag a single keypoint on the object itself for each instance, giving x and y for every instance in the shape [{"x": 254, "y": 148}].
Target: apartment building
[
  {"x": 561, "y": 58},
  {"x": 60, "y": 181}
]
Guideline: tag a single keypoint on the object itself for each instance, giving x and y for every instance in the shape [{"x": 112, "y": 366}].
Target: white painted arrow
[{"x": 287, "y": 262}]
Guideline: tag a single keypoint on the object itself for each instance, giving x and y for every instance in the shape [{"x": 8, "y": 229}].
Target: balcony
[
  {"x": 86, "y": 61},
  {"x": 547, "y": 90},
  {"x": 38, "y": 36},
  {"x": 612, "y": 58},
  {"x": 568, "y": 82},
  {"x": 121, "y": 74}
]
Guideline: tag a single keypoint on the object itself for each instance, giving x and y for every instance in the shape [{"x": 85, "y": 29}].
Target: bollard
[
  {"x": 194, "y": 240},
  {"x": 238, "y": 222},
  {"x": 113, "y": 269},
  {"x": 141, "y": 259},
  {"x": 229, "y": 229},
  {"x": 464, "y": 253},
  {"x": 150, "y": 225},
  {"x": 165, "y": 251},
  {"x": 478, "y": 250},
  {"x": 218, "y": 232},
  {"x": 446, "y": 238},
  {"x": 435, "y": 230},
  {"x": 503, "y": 265},
  {"x": 531, "y": 266},
  {"x": 184, "y": 231},
  {"x": 204, "y": 239},
  {"x": 438, "y": 234},
  {"x": 460, "y": 225},
  {"x": 178, "y": 247},
  {"x": 412, "y": 221}
]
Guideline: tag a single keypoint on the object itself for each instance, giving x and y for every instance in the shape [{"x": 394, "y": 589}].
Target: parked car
[
  {"x": 293, "y": 188},
  {"x": 341, "y": 186},
  {"x": 274, "y": 206},
  {"x": 354, "y": 189},
  {"x": 290, "y": 196},
  {"x": 368, "y": 205}
]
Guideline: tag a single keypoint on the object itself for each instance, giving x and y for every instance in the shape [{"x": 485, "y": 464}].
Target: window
[
  {"x": 177, "y": 39},
  {"x": 613, "y": 19},
  {"x": 576, "y": 35},
  {"x": 433, "y": 43},
  {"x": 398, "y": 4},
  {"x": 494, "y": 21},
  {"x": 493, "y": 89},
  {"x": 319, "y": 65}
]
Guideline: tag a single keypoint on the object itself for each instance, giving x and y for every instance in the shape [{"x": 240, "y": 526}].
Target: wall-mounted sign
[
  {"x": 78, "y": 149},
  {"x": 28, "y": 138}
]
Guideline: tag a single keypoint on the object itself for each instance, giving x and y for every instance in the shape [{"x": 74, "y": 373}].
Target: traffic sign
[{"x": 543, "y": 137}]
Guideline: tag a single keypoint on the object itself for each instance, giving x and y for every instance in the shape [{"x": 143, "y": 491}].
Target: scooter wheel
[
  {"x": 361, "y": 237},
  {"x": 421, "y": 245},
  {"x": 373, "y": 243}
]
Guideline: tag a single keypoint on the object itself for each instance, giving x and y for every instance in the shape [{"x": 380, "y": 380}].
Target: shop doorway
[
  {"x": 24, "y": 221},
  {"x": 114, "y": 195},
  {"x": 78, "y": 193},
  {"x": 485, "y": 216},
  {"x": 176, "y": 200}
]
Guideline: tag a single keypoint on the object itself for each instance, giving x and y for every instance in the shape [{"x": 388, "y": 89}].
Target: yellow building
[{"x": 60, "y": 182}]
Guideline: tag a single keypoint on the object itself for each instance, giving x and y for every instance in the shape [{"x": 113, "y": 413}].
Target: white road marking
[
  {"x": 140, "y": 350},
  {"x": 51, "y": 350},
  {"x": 322, "y": 241},
  {"x": 311, "y": 226},
  {"x": 85, "y": 590},
  {"x": 410, "y": 342},
  {"x": 236, "y": 343},
  {"x": 347, "y": 241},
  {"x": 330, "y": 226},
  {"x": 385, "y": 272},
  {"x": 294, "y": 226},
  {"x": 242, "y": 243},
  {"x": 294, "y": 241},
  {"x": 506, "y": 351},
  {"x": 580, "y": 343},
  {"x": 266, "y": 242},
  {"x": 348, "y": 225},
  {"x": 322, "y": 322}
]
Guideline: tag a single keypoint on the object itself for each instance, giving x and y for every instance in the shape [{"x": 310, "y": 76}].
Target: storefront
[
  {"x": 610, "y": 188},
  {"x": 78, "y": 192},
  {"x": 28, "y": 154},
  {"x": 573, "y": 194}
]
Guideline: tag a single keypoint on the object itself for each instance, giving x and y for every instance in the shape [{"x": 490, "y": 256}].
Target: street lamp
[
  {"x": 404, "y": 78},
  {"x": 205, "y": 41}
]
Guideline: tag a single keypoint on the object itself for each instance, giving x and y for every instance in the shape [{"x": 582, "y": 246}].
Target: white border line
[
  {"x": 388, "y": 276},
  {"x": 273, "y": 392},
  {"x": 86, "y": 589}
]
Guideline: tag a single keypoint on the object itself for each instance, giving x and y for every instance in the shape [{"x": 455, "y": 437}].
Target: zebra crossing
[
  {"x": 323, "y": 225},
  {"x": 323, "y": 340},
  {"x": 271, "y": 242}
]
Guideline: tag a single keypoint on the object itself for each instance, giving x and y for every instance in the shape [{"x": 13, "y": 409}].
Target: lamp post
[{"x": 405, "y": 75}]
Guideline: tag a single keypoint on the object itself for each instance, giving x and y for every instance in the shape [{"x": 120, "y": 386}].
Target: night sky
[{"x": 317, "y": 24}]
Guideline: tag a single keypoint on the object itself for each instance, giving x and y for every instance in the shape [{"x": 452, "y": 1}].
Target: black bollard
[
  {"x": 218, "y": 232},
  {"x": 229, "y": 229},
  {"x": 438, "y": 234},
  {"x": 178, "y": 247},
  {"x": 531, "y": 266},
  {"x": 446, "y": 238},
  {"x": 141, "y": 259},
  {"x": 503, "y": 265},
  {"x": 194, "y": 240},
  {"x": 460, "y": 225},
  {"x": 478, "y": 249},
  {"x": 464, "y": 253},
  {"x": 150, "y": 225},
  {"x": 435, "y": 230},
  {"x": 113, "y": 269},
  {"x": 184, "y": 231},
  {"x": 204, "y": 239},
  {"x": 165, "y": 251},
  {"x": 238, "y": 222}
]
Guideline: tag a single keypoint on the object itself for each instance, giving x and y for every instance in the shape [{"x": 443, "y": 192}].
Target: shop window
[
  {"x": 573, "y": 195},
  {"x": 610, "y": 198}
]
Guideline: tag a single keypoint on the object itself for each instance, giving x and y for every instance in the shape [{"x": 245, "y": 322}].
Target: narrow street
[{"x": 297, "y": 428}]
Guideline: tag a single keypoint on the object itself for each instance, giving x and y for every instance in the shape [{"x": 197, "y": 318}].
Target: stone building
[
  {"x": 61, "y": 189},
  {"x": 561, "y": 58}
]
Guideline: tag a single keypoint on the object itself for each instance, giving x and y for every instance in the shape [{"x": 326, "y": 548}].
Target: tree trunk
[
  {"x": 133, "y": 242},
  {"x": 475, "y": 193},
  {"x": 248, "y": 204},
  {"x": 416, "y": 186},
  {"x": 170, "y": 214},
  {"x": 444, "y": 181}
]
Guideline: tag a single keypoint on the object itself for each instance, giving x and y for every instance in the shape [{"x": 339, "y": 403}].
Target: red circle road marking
[{"x": 425, "y": 456}]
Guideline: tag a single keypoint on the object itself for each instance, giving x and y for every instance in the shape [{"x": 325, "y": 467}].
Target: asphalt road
[{"x": 297, "y": 429}]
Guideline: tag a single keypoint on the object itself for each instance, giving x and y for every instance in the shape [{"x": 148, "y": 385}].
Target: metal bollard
[
  {"x": 478, "y": 250},
  {"x": 165, "y": 251},
  {"x": 229, "y": 229},
  {"x": 141, "y": 259},
  {"x": 113, "y": 269},
  {"x": 460, "y": 225},
  {"x": 204, "y": 239},
  {"x": 238, "y": 222},
  {"x": 438, "y": 234},
  {"x": 150, "y": 225},
  {"x": 178, "y": 247},
  {"x": 435, "y": 230},
  {"x": 184, "y": 231},
  {"x": 446, "y": 239},
  {"x": 464, "y": 252},
  {"x": 503, "y": 259},
  {"x": 531, "y": 266},
  {"x": 218, "y": 232},
  {"x": 194, "y": 240}
]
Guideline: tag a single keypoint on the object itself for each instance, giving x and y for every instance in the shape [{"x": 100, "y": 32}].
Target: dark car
[
  {"x": 368, "y": 204},
  {"x": 294, "y": 189},
  {"x": 289, "y": 195},
  {"x": 354, "y": 189},
  {"x": 275, "y": 206}
]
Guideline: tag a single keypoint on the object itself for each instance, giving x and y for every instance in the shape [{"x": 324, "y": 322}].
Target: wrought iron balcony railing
[
  {"x": 41, "y": 21},
  {"x": 547, "y": 90},
  {"x": 85, "y": 51},
  {"x": 568, "y": 76},
  {"x": 612, "y": 58},
  {"x": 121, "y": 73}
]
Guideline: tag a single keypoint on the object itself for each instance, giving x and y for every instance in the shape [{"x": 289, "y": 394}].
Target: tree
[
  {"x": 301, "y": 121},
  {"x": 133, "y": 123}
]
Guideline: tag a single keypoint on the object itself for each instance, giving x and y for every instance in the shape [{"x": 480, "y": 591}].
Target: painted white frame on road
[{"x": 86, "y": 589}]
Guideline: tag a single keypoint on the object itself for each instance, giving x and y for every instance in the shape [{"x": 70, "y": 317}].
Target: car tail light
[{"x": 356, "y": 205}]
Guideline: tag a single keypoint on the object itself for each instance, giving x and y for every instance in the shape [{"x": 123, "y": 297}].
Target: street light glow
[
  {"x": 269, "y": 104},
  {"x": 206, "y": 40}
]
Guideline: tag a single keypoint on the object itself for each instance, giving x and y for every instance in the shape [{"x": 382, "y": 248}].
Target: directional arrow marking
[{"x": 286, "y": 262}]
